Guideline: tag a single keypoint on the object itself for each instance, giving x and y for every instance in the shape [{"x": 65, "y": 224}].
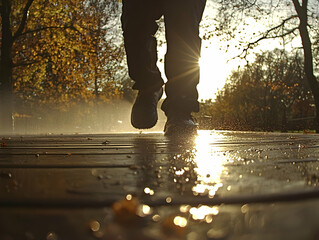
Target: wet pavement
[{"x": 218, "y": 185}]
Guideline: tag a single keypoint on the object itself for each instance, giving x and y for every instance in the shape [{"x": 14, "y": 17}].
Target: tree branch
[
  {"x": 270, "y": 37},
  {"x": 266, "y": 35},
  {"x": 280, "y": 25},
  {"x": 304, "y": 5},
  {"x": 23, "y": 20},
  {"x": 297, "y": 7}
]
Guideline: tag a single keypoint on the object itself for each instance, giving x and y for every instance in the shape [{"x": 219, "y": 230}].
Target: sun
[
  {"x": 213, "y": 72},
  {"x": 214, "y": 68}
]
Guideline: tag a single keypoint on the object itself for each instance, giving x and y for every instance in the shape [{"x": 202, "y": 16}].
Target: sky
[{"x": 216, "y": 63}]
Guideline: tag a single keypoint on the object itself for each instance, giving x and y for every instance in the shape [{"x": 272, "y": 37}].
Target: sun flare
[{"x": 213, "y": 72}]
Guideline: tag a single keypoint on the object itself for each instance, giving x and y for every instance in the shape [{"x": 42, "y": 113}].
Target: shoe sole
[
  {"x": 148, "y": 125},
  {"x": 143, "y": 125}
]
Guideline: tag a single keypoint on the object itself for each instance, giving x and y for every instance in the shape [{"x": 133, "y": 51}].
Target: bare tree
[{"x": 285, "y": 20}]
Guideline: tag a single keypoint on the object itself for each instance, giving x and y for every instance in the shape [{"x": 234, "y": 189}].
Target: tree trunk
[
  {"x": 308, "y": 57},
  {"x": 6, "y": 86},
  {"x": 308, "y": 68}
]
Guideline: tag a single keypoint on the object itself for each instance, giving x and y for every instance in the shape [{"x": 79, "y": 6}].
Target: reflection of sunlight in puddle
[
  {"x": 180, "y": 221},
  {"x": 209, "y": 164},
  {"x": 203, "y": 212}
]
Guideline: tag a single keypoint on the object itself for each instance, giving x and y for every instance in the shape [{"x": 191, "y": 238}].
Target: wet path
[{"x": 219, "y": 185}]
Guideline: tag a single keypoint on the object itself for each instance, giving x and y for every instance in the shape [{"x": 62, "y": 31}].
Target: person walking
[{"x": 182, "y": 19}]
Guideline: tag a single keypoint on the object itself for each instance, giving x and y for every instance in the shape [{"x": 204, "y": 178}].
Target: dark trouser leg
[
  {"x": 182, "y": 18},
  {"x": 139, "y": 27}
]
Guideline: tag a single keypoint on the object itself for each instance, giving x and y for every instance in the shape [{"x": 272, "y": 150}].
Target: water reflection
[
  {"x": 171, "y": 168},
  {"x": 209, "y": 162},
  {"x": 203, "y": 212}
]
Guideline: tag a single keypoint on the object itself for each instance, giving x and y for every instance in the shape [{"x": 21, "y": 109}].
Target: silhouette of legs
[
  {"x": 182, "y": 18},
  {"x": 139, "y": 27}
]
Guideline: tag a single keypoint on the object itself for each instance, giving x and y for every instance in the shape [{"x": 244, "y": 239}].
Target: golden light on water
[
  {"x": 144, "y": 210},
  {"x": 202, "y": 212},
  {"x": 148, "y": 191},
  {"x": 95, "y": 226},
  {"x": 184, "y": 208},
  {"x": 180, "y": 221},
  {"x": 168, "y": 200},
  {"x": 179, "y": 172},
  {"x": 209, "y": 162},
  {"x": 129, "y": 197}
]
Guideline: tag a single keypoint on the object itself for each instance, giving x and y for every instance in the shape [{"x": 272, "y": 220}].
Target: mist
[{"x": 82, "y": 118}]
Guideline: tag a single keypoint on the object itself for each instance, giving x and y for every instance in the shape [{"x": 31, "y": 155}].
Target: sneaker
[
  {"x": 180, "y": 125},
  {"x": 144, "y": 111}
]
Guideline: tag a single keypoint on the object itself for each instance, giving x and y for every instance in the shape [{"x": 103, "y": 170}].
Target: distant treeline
[{"x": 270, "y": 94}]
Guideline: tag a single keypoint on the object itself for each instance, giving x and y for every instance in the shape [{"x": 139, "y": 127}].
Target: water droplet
[
  {"x": 129, "y": 197},
  {"x": 180, "y": 221},
  {"x": 201, "y": 212},
  {"x": 156, "y": 218},
  {"x": 184, "y": 208},
  {"x": 144, "y": 210},
  {"x": 209, "y": 218},
  {"x": 245, "y": 208},
  {"x": 149, "y": 191},
  {"x": 106, "y": 142},
  {"x": 168, "y": 199},
  {"x": 94, "y": 226}
]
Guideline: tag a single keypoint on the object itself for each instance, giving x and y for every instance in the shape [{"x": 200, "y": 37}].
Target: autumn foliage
[
  {"x": 68, "y": 52},
  {"x": 270, "y": 94}
]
